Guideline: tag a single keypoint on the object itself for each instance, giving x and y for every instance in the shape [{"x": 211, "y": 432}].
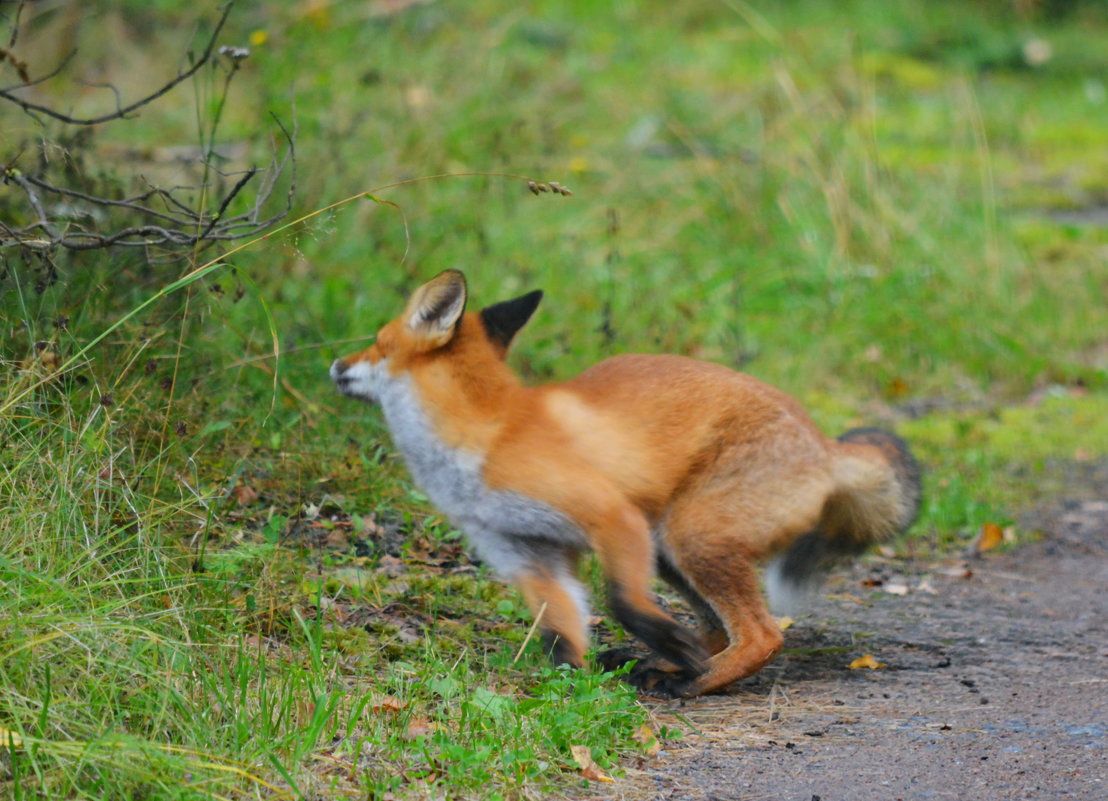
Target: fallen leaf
[
  {"x": 645, "y": 735},
  {"x": 419, "y": 727},
  {"x": 391, "y": 566},
  {"x": 589, "y": 769},
  {"x": 784, "y": 622},
  {"x": 866, "y": 661},
  {"x": 963, "y": 571},
  {"x": 897, "y": 388},
  {"x": 991, "y": 536},
  {"x": 367, "y": 526},
  {"x": 244, "y": 495},
  {"x": 926, "y": 586},
  {"x": 387, "y": 703},
  {"x": 10, "y": 739},
  {"x": 338, "y": 539},
  {"x": 895, "y": 588}
]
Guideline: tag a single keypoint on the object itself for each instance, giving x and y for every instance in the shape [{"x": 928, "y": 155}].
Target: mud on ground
[{"x": 994, "y": 685}]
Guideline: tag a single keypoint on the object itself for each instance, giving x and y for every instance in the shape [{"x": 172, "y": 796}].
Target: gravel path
[{"x": 994, "y": 686}]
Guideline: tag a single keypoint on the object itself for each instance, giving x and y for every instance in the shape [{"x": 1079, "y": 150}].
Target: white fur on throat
[{"x": 511, "y": 532}]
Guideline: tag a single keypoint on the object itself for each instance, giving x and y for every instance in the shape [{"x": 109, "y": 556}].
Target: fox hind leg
[
  {"x": 627, "y": 557},
  {"x": 713, "y": 632},
  {"x": 713, "y": 635},
  {"x": 728, "y": 580},
  {"x": 713, "y": 563},
  {"x": 656, "y": 675}
]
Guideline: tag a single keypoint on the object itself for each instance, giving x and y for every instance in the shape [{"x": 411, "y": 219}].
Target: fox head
[{"x": 435, "y": 331}]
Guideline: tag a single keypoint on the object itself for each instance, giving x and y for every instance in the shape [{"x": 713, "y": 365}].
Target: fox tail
[{"x": 876, "y": 496}]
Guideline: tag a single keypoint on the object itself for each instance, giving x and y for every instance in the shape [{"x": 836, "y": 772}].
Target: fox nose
[{"x": 338, "y": 367}]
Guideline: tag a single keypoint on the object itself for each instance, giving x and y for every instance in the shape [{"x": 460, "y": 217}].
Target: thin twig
[
  {"x": 530, "y": 632},
  {"x": 158, "y": 216},
  {"x": 227, "y": 200},
  {"x": 134, "y": 204},
  {"x": 120, "y": 113}
]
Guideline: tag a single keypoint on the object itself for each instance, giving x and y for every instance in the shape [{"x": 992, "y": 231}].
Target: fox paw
[
  {"x": 615, "y": 658},
  {"x": 659, "y": 682}
]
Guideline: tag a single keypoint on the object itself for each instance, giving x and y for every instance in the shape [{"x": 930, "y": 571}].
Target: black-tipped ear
[{"x": 503, "y": 320}]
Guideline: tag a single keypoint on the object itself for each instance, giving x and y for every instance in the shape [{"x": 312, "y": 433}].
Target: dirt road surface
[{"x": 994, "y": 686}]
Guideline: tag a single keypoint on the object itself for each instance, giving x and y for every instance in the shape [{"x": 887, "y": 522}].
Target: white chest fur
[{"x": 508, "y": 530}]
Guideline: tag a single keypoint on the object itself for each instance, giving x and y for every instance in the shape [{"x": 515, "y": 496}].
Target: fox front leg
[{"x": 559, "y": 603}]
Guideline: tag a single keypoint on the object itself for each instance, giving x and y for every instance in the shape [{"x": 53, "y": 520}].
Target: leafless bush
[{"x": 67, "y": 198}]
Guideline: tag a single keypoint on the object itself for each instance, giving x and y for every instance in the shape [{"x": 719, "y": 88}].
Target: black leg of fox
[{"x": 663, "y": 635}]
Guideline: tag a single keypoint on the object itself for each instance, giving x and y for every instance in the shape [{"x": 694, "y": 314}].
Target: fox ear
[
  {"x": 436, "y": 307},
  {"x": 503, "y": 320}
]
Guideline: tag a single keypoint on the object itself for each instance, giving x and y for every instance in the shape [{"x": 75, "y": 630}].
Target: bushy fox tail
[{"x": 876, "y": 496}]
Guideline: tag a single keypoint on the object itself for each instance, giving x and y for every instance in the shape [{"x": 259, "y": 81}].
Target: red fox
[{"x": 659, "y": 464}]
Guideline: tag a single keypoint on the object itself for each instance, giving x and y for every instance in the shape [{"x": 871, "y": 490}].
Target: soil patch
[{"x": 994, "y": 685}]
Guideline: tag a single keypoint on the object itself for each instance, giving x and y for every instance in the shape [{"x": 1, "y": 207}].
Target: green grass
[{"x": 215, "y": 578}]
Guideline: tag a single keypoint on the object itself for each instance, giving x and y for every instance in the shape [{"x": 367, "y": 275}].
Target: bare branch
[
  {"x": 134, "y": 204},
  {"x": 32, "y": 198},
  {"x": 227, "y": 200},
  {"x": 67, "y": 216},
  {"x": 120, "y": 113},
  {"x": 15, "y": 25}
]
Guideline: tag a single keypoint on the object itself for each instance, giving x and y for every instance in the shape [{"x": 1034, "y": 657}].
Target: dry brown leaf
[
  {"x": 645, "y": 735},
  {"x": 589, "y": 769},
  {"x": 962, "y": 571},
  {"x": 866, "y": 661},
  {"x": 391, "y": 566},
  {"x": 419, "y": 727},
  {"x": 244, "y": 495},
  {"x": 991, "y": 536},
  {"x": 337, "y": 538},
  {"x": 897, "y": 388},
  {"x": 387, "y": 703}
]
